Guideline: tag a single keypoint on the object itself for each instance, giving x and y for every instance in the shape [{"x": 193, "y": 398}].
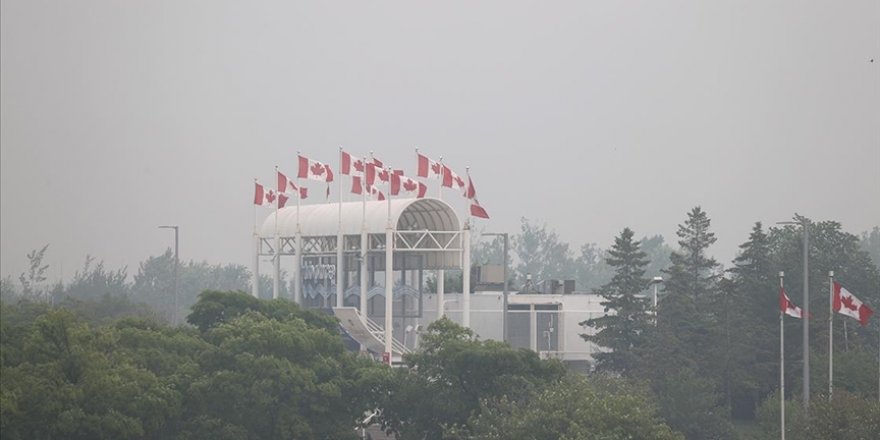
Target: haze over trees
[{"x": 704, "y": 366}]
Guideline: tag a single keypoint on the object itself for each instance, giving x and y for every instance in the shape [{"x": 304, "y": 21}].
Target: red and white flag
[
  {"x": 399, "y": 183},
  {"x": 428, "y": 168},
  {"x": 374, "y": 192},
  {"x": 314, "y": 170},
  {"x": 788, "y": 307},
  {"x": 847, "y": 304},
  {"x": 282, "y": 182},
  {"x": 271, "y": 196},
  {"x": 477, "y": 210},
  {"x": 301, "y": 190},
  {"x": 376, "y": 172},
  {"x": 471, "y": 192},
  {"x": 259, "y": 194},
  {"x": 452, "y": 180},
  {"x": 352, "y": 166}
]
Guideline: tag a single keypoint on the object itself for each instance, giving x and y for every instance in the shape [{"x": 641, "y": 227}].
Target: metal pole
[
  {"x": 781, "y": 363},
  {"x": 176, "y": 265},
  {"x": 389, "y": 290},
  {"x": 830, "y": 333},
  {"x": 506, "y": 292},
  {"x": 340, "y": 240},
  {"x": 466, "y": 276},
  {"x": 806, "y": 306}
]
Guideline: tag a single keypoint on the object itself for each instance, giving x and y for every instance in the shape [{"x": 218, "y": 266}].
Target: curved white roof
[{"x": 323, "y": 219}]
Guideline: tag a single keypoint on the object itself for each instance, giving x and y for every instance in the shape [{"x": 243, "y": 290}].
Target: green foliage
[
  {"x": 622, "y": 329},
  {"x": 270, "y": 371},
  {"x": 573, "y": 408},
  {"x": 870, "y": 243},
  {"x": 844, "y": 417},
  {"x": 457, "y": 372},
  {"x": 32, "y": 279},
  {"x": 692, "y": 271},
  {"x": 541, "y": 253}
]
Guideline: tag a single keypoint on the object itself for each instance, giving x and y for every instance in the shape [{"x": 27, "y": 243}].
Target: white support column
[
  {"x": 363, "y": 279},
  {"x": 389, "y": 290},
  {"x": 276, "y": 269},
  {"x": 466, "y": 276},
  {"x": 533, "y": 328},
  {"x": 441, "y": 294},
  {"x": 340, "y": 267},
  {"x": 297, "y": 277},
  {"x": 255, "y": 287}
]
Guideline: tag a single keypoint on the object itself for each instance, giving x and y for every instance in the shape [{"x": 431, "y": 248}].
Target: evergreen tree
[
  {"x": 693, "y": 272},
  {"x": 750, "y": 311},
  {"x": 621, "y": 330}
]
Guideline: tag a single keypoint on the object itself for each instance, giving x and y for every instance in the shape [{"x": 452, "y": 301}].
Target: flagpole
[
  {"x": 364, "y": 243},
  {"x": 339, "y": 241},
  {"x": 466, "y": 264},
  {"x": 276, "y": 266},
  {"x": 830, "y": 333},
  {"x": 255, "y": 287},
  {"x": 781, "y": 361},
  {"x": 297, "y": 281},
  {"x": 441, "y": 274}
]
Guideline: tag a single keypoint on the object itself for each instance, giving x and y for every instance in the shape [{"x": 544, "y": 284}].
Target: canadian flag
[
  {"x": 352, "y": 166},
  {"x": 282, "y": 181},
  {"x": 259, "y": 194},
  {"x": 847, "y": 304},
  {"x": 471, "y": 191},
  {"x": 271, "y": 196},
  {"x": 477, "y": 210},
  {"x": 375, "y": 171},
  {"x": 400, "y": 182},
  {"x": 374, "y": 192},
  {"x": 302, "y": 191},
  {"x": 314, "y": 170},
  {"x": 788, "y": 307},
  {"x": 428, "y": 168},
  {"x": 452, "y": 180}
]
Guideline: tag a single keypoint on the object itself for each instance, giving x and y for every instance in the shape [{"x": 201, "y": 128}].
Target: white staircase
[{"x": 367, "y": 333}]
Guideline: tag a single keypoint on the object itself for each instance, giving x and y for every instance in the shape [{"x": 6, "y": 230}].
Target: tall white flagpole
[
  {"x": 255, "y": 286},
  {"x": 781, "y": 361},
  {"x": 466, "y": 265},
  {"x": 364, "y": 241},
  {"x": 276, "y": 270},
  {"x": 830, "y": 333},
  {"x": 389, "y": 276},
  {"x": 297, "y": 278},
  {"x": 441, "y": 274},
  {"x": 339, "y": 241}
]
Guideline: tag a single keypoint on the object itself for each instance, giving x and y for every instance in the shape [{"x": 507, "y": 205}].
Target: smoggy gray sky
[{"x": 589, "y": 116}]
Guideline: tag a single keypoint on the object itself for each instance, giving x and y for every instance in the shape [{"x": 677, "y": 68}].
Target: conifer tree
[
  {"x": 622, "y": 329},
  {"x": 693, "y": 272}
]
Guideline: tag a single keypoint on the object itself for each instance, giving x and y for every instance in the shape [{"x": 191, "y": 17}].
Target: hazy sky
[{"x": 118, "y": 116}]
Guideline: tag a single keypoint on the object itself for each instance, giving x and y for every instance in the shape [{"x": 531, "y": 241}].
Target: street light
[
  {"x": 176, "y": 263},
  {"x": 506, "y": 287},
  {"x": 806, "y": 308},
  {"x": 656, "y": 281}
]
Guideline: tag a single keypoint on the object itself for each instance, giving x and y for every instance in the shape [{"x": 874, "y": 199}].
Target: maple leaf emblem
[
  {"x": 459, "y": 181},
  {"x": 409, "y": 185},
  {"x": 270, "y": 196},
  {"x": 847, "y": 302},
  {"x": 383, "y": 176},
  {"x": 435, "y": 167},
  {"x": 359, "y": 165},
  {"x": 317, "y": 169}
]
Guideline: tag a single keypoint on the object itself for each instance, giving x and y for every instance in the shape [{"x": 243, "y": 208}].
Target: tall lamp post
[
  {"x": 806, "y": 309},
  {"x": 506, "y": 291},
  {"x": 656, "y": 281},
  {"x": 176, "y": 264}
]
